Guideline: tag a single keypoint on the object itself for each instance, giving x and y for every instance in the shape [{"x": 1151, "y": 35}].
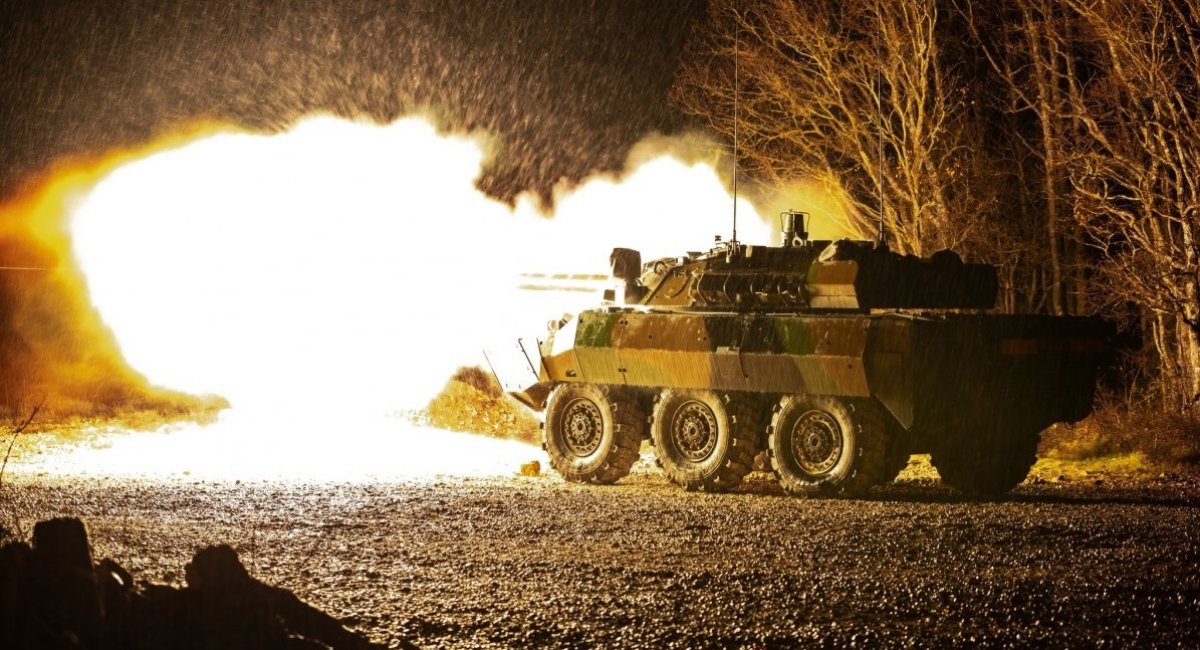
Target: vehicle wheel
[
  {"x": 826, "y": 445},
  {"x": 988, "y": 463},
  {"x": 592, "y": 434},
  {"x": 704, "y": 441}
]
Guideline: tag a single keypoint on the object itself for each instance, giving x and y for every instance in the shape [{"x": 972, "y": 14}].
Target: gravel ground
[{"x": 532, "y": 561}]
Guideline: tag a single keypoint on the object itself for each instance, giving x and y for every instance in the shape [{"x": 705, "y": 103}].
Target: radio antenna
[{"x": 737, "y": 27}]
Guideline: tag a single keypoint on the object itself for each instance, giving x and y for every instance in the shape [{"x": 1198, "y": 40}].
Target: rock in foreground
[{"x": 53, "y": 596}]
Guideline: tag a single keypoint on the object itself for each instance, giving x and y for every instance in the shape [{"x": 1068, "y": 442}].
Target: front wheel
[
  {"x": 827, "y": 445},
  {"x": 592, "y": 433}
]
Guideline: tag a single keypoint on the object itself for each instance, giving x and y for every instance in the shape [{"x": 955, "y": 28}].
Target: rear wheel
[
  {"x": 827, "y": 445},
  {"x": 987, "y": 460},
  {"x": 592, "y": 433},
  {"x": 704, "y": 441}
]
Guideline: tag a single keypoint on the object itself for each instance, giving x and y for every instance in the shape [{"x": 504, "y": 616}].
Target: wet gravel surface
[{"x": 520, "y": 562}]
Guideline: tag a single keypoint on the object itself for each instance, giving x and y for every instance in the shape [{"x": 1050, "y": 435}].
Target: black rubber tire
[
  {"x": 609, "y": 428},
  {"x": 987, "y": 460},
  {"x": 854, "y": 445},
  {"x": 729, "y": 431}
]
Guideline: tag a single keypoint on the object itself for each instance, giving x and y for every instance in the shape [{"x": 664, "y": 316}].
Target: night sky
[{"x": 567, "y": 85}]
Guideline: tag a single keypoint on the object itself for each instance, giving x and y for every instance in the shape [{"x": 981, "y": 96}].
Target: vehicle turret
[{"x": 803, "y": 275}]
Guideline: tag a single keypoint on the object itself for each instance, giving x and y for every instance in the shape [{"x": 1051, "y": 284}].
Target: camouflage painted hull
[
  {"x": 932, "y": 372},
  {"x": 838, "y": 359}
]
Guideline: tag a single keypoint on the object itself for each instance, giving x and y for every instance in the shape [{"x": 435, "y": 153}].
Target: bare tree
[
  {"x": 10, "y": 516},
  {"x": 1103, "y": 103},
  {"x": 1136, "y": 171},
  {"x": 852, "y": 93},
  {"x": 1028, "y": 45}
]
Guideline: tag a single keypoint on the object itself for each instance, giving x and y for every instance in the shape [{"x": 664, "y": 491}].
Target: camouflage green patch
[
  {"x": 595, "y": 328},
  {"x": 794, "y": 336}
]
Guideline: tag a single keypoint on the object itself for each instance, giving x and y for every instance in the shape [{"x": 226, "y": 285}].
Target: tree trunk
[
  {"x": 1055, "y": 281},
  {"x": 1189, "y": 349},
  {"x": 1166, "y": 360},
  {"x": 1041, "y": 36}
]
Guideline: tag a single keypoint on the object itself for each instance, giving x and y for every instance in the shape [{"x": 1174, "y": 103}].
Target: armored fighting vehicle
[{"x": 840, "y": 359}]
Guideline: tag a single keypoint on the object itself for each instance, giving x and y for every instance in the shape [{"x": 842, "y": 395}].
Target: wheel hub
[
  {"x": 816, "y": 442},
  {"x": 583, "y": 427},
  {"x": 694, "y": 430}
]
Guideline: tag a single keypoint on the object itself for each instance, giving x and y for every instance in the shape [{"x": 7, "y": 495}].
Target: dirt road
[{"x": 519, "y": 562}]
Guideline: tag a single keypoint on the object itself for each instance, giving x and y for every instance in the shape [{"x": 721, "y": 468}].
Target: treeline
[{"x": 1057, "y": 139}]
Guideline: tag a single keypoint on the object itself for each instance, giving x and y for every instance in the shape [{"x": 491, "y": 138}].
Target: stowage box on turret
[{"x": 840, "y": 359}]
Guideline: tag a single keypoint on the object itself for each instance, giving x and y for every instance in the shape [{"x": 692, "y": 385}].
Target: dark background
[{"x": 567, "y": 86}]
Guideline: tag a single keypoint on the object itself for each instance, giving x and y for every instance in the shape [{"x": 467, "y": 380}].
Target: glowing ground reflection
[{"x": 249, "y": 446}]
